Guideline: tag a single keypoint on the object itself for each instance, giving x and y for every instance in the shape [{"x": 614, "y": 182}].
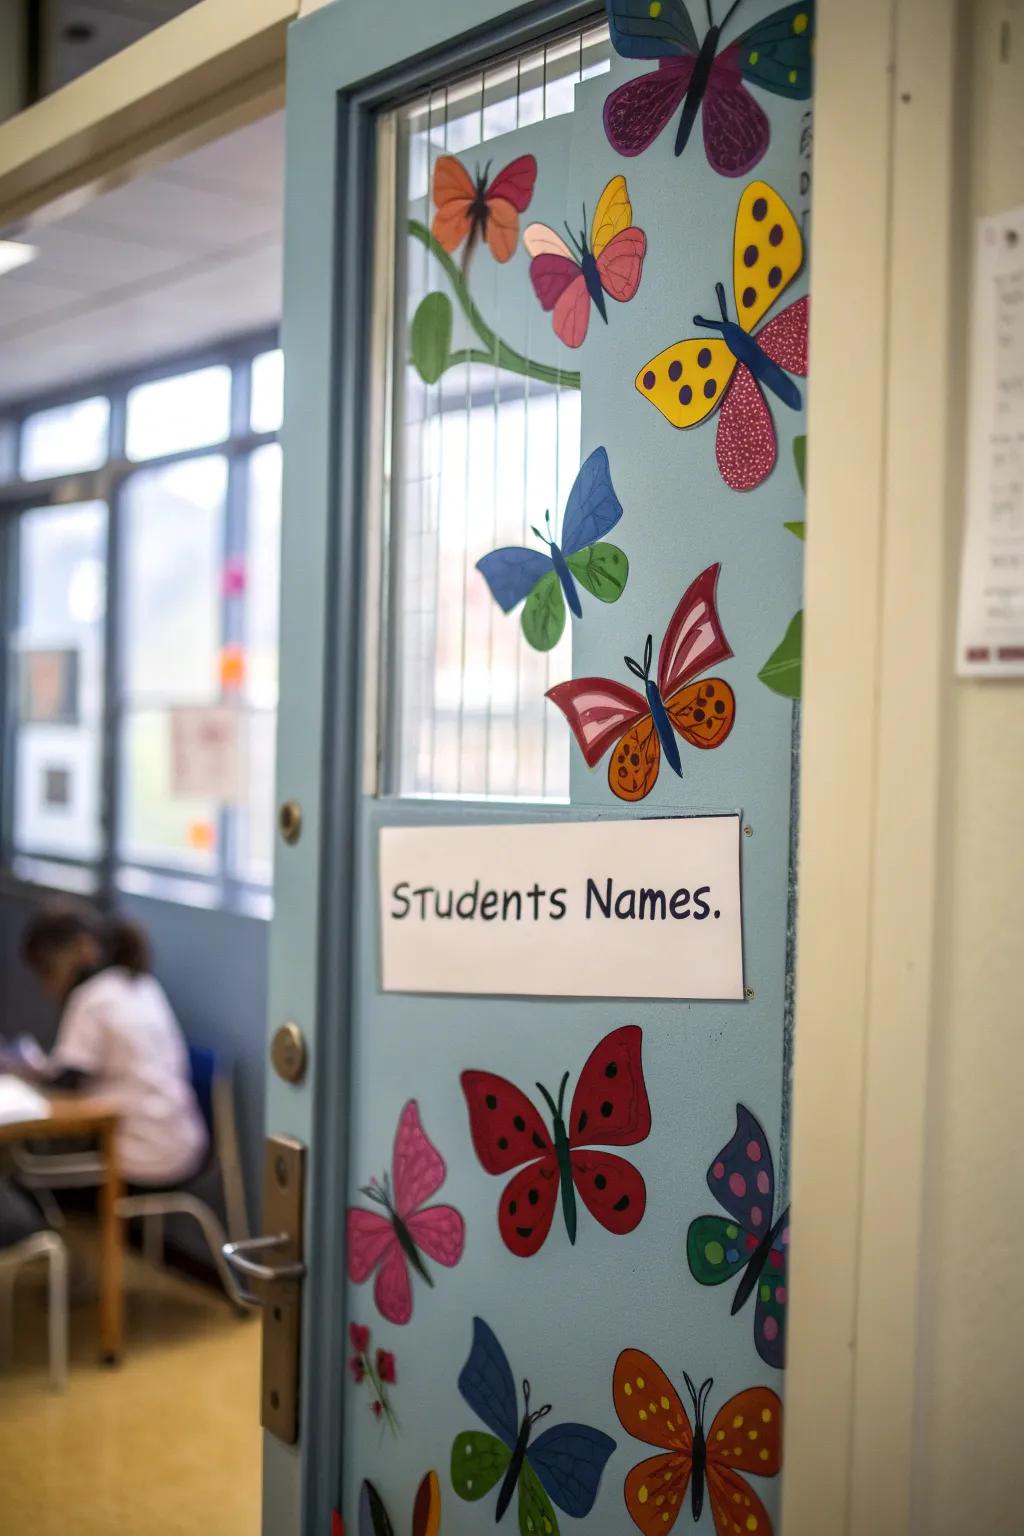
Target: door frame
[
  {"x": 342, "y": 68},
  {"x": 883, "y": 480}
]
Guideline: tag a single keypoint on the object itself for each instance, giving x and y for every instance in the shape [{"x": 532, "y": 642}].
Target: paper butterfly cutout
[
  {"x": 399, "y": 1238},
  {"x": 548, "y": 581},
  {"x": 746, "y": 1436},
  {"x": 426, "y": 1512},
  {"x": 774, "y": 54},
  {"x": 599, "y": 710},
  {"x": 609, "y": 1107},
  {"x": 566, "y": 281},
  {"x": 470, "y": 210},
  {"x": 742, "y": 1179},
  {"x": 691, "y": 379},
  {"x": 564, "y": 1463}
]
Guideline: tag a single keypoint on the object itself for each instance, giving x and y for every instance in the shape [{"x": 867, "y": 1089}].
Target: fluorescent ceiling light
[{"x": 14, "y": 253}]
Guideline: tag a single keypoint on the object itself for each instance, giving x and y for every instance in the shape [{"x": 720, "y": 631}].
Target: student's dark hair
[{"x": 50, "y": 929}]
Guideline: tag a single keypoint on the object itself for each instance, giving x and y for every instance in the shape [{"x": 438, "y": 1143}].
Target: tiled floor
[{"x": 167, "y": 1443}]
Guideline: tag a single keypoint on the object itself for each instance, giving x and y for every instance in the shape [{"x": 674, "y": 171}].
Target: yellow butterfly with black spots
[{"x": 691, "y": 379}]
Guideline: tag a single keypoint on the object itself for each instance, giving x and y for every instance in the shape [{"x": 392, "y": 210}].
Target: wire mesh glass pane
[
  {"x": 58, "y": 707},
  {"x": 480, "y": 453}
]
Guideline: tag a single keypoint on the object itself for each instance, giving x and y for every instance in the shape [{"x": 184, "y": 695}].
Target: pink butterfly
[
  {"x": 398, "y": 1239},
  {"x": 567, "y": 281}
]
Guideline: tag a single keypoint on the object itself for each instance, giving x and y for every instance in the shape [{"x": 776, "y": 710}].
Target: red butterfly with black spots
[{"x": 609, "y": 1107}]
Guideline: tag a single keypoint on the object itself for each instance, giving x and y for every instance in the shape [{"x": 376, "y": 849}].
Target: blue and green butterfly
[
  {"x": 563, "y": 1464},
  {"x": 548, "y": 581}
]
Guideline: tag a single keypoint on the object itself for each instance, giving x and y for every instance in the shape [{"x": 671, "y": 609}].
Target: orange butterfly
[
  {"x": 746, "y": 1436},
  {"x": 601, "y": 711},
  {"x": 468, "y": 209}
]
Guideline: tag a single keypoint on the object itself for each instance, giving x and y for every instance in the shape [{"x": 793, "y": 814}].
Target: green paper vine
[{"x": 430, "y": 334}]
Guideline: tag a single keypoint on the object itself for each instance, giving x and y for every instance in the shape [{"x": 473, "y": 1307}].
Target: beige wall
[{"x": 971, "y": 1361}]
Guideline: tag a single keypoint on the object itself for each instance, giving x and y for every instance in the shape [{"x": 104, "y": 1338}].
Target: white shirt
[{"x": 120, "y": 1030}]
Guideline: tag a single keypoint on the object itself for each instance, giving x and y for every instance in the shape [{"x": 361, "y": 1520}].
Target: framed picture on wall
[{"x": 49, "y": 687}]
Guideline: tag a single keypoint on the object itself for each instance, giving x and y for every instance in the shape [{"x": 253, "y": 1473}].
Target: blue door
[{"x": 546, "y": 346}]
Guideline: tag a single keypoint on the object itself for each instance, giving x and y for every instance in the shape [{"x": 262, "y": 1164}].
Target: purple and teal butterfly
[
  {"x": 742, "y": 1180},
  {"x": 774, "y": 53},
  {"x": 563, "y": 1464},
  {"x": 548, "y": 581}
]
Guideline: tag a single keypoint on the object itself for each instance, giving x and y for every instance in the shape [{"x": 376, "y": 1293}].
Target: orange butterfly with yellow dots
[
  {"x": 746, "y": 1436},
  {"x": 599, "y": 709}
]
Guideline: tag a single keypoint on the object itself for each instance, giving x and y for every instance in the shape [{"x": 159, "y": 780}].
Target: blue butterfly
[
  {"x": 565, "y": 1462},
  {"x": 547, "y": 581}
]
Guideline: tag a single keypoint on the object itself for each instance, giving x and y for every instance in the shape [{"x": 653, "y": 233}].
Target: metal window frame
[{"x": 226, "y": 887}]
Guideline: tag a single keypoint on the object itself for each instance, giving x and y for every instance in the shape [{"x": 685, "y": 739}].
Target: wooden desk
[{"x": 72, "y": 1116}]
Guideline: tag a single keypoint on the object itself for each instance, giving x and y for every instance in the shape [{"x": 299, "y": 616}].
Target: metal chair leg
[
  {"x": 6, "y": 1316},
  {"x": 57, "y": 1258},
  {"x": 50, "y": 1207},
  {"x": 153, "y": 1240}
]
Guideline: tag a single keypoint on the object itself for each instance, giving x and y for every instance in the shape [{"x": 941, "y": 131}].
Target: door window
[{"x": 480, "y": 452}]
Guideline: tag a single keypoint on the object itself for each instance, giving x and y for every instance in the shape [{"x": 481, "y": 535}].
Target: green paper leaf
[
  {"x": 536, "y": 1516},
  {"x": 800, "y": 459},
  {"x": 782, "y": 671},
  {"x": 544, "y": 613},
  {"x": 708, "y": 1241},
  {"x": 602, "y": 568},
  {"x": 478, "y": 1460},
  {"x": 798, "y": 528},
  {"x": 430, "y": 336}
]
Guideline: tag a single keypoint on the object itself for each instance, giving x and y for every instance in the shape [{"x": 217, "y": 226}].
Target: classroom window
[
  {"x": 266, "y": 403},
  {"x": 57, "y": 657},
  {"x": 173, "y": 536},
  {"x": 172, "y": 415},
  {"x": 106, "y": 698},
  {"x": 65, "y": 439},
  {"x": 478, "y": 453}
]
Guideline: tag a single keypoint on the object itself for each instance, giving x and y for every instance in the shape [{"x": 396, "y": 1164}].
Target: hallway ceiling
[{"x": 183, "y": 257}]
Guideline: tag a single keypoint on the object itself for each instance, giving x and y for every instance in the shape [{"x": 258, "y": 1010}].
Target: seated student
[
  {"x": 19, "y": 1218},
  {"x": 118, "y": 1038}
]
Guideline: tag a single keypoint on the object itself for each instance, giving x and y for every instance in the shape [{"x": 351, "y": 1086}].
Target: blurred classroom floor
[{"x": 168, "y": 1442}]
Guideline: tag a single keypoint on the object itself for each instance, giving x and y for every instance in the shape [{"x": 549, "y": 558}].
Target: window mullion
[
  {"x": 233, "y": 606},
  {"x": 113, "y": 701}
]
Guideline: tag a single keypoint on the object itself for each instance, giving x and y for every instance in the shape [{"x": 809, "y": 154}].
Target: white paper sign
[
  {"x": 990, "y": 640},
  {"x": 642, "y": 908},
  {"x": 206, "y": 754}
]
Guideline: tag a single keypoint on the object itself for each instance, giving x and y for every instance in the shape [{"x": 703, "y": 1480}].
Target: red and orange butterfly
[
  {"x": 599, "y": 709},
  {"x": 745, "y": 1437},
  {"x": 470, "y": 210},
  {"x": 568, "y": 281}
]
